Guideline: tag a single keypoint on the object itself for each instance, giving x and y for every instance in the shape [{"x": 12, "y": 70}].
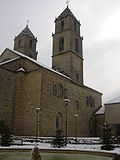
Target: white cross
[{"x": 67, "y": 2}]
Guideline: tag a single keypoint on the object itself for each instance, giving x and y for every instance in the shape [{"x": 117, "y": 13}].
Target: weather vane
[
  {"x": 27, "y": 22},
  {"x": 67, "y": 2}
]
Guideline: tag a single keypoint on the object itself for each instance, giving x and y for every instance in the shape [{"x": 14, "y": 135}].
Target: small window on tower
[
  {"x": 61, "y": 44},
  {"x": 77, "y": 77},
  {"x": 30, "y": 44},
  {"x": 62, "y": 24},
  {"x": 76, "y": 45},
  {"x": 75, "y": 28}
]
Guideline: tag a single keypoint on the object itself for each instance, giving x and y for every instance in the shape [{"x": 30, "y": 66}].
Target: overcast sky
[{"x": 100, "y": 28}]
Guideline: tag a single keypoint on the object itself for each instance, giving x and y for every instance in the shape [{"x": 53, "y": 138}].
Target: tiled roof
[
  {"x": 26, "y": 31},
  {"x": 65, "y": 13}
]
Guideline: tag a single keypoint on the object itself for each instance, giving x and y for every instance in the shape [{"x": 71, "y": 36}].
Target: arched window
[
  {"x": 59, "y": 121},
  {"x": 90, "y": 101},
  {"x": 76, "y": 45},
  {"x": 54, "y": 90},
  {"x": 60, "y": 90},
  {"x": 77, "y": 105},
  {"x": 87, "y": 101},
  {"x": 30, "y": 43},
  {"x": 65, "y": 93},
  {"x": 61, "y": 44}
]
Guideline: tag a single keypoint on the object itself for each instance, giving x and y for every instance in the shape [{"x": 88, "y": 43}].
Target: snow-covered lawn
[
  {"x": 81, "y": 147},
  {"x": 85, "y": 144}
]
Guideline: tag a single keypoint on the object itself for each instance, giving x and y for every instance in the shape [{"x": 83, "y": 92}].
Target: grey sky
[{"x": 100, "y": 28}]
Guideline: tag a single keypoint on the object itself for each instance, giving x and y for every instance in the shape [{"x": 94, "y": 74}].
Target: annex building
[
  {"x": 26, "y": 84},
  {"x": 110, "y": 113}
]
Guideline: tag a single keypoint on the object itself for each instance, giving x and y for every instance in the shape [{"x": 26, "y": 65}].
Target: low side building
[{"x": 112, "y": 114}]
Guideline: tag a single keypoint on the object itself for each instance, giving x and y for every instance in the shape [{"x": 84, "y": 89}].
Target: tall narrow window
[
  {"x": 87, "y": 101},
  {"x": 77, "y": 105},
  {"x": 90, "y": 101},
  {"x": 30, "y": 44},
  {"x": 93, "y": 103},
  {"x": 62, "y": 24},
  {"x": 59, "y": 121},
  {"x": 60, "y": 90},
  {"x": 65, "y": 93},
  {"x": 76, "y": 45},
  {"x": 54, "y": 90},
  {"x": 61, "y": 44}
]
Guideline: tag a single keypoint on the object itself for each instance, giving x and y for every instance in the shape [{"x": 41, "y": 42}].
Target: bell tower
[
  {"x": 67, "y": 56},
  {"x": 26, "y": 42}
]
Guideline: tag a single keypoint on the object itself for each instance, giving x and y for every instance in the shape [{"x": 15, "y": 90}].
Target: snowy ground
[
  {"x": 85, "y": 144},
  {"x": 81, "y": 147}
]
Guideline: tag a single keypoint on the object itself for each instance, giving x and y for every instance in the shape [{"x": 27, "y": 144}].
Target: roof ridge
[
  {"x": 65, "y": 13},
  {"x": 8, "y": 61},
  {"x": 38, "y": 63},
  {"x": 26, "y": 31}
]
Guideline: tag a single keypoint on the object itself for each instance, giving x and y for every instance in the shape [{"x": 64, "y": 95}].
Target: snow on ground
[
  {"x": 81, "y": 147},
  {"x": 84, "y": 144}
]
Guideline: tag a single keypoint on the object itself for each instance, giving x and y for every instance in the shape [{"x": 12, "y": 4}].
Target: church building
[{"x": 52, "y": 98}]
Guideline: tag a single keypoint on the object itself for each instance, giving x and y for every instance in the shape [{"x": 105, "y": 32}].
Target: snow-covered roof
[
  {"x": 41, "y": 65},
  {"x": 10, "y": 60},
  {"x": 21, "y": 70},
  {"x": 101, "y": 110},
  {"x": 34, "y": 61},
  {"x": 113, "y": 101}
]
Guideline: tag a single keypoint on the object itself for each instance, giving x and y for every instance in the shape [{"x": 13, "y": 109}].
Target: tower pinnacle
[{"x": 25, "y": 42}]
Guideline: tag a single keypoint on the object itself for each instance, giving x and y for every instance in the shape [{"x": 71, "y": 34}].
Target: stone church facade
[{"x": 25, "y": 84}]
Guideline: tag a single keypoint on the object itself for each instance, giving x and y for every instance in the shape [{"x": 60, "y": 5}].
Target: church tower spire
[
  {"x": 67, "y": 56},
  {"x": 25, "y": 42}
]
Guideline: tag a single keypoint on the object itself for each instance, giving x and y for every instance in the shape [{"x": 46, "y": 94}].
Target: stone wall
[
  {"x": 52, "y": 104},
  {"x": 112, "y": 113},
  {"x": 7, "y": 90},
  {"x": 35, "y": 88}
]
